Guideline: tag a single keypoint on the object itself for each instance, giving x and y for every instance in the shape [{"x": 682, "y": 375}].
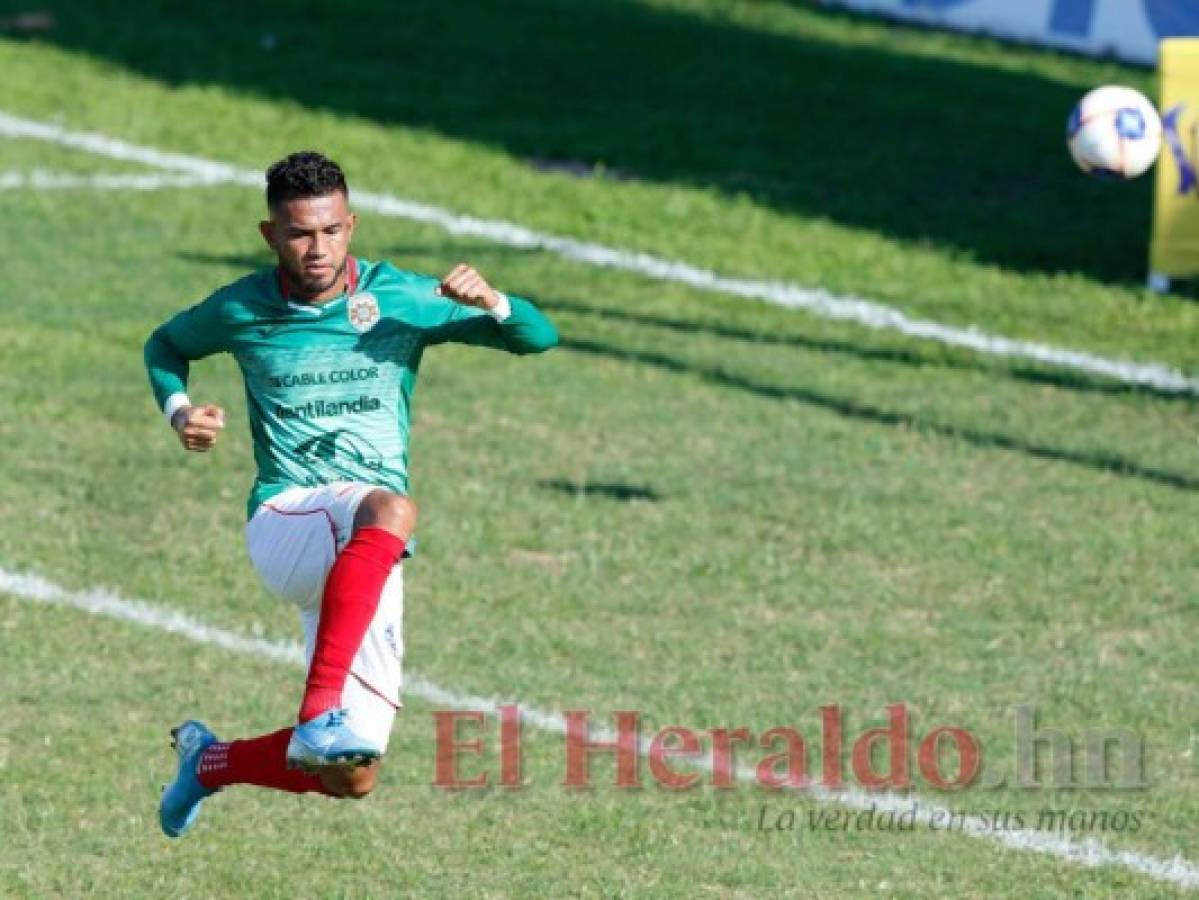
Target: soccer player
[{"x": 329, "y": 347}]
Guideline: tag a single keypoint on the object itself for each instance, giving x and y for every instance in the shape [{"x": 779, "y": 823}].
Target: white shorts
[{"x": 293, "y": 539}]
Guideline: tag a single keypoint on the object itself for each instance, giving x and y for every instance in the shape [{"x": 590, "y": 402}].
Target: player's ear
[
  {"x": 351, "y": 223},
  {"x": 267, "y": 229}
]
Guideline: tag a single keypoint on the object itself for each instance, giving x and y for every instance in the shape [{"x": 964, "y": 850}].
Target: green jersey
[{"x": 329, "y": 386}]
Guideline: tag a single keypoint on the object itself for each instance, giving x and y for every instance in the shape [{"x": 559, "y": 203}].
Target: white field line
[
  {"x": 816, "y": 301},
  {"x": 43, "y": 180},
  {"x": 1089, "y": 852}
]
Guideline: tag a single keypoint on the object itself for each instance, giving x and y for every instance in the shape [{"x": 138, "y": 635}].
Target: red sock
[
  {"x": 261, "y": 761},
  {"x": 348, "y": 605}
]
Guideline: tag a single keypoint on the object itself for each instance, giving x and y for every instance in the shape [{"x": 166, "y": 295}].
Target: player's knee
[{"x": 383, "y": 509}]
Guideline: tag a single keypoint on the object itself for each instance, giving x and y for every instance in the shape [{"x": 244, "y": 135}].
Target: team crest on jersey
[{"x": 363, "y": 310}]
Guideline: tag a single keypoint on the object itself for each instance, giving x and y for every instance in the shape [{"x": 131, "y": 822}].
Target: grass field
[{"x": 711, "y": 510}]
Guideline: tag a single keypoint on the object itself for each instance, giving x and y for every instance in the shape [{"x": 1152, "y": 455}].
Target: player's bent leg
[
  {"x": 383, "y": 523},
  {"x": 336, "y": 586},
  {"x": 370, "y": 700}
]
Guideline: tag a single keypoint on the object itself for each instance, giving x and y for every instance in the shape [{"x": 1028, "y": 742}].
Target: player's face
[{"x": 311, "y": 237}]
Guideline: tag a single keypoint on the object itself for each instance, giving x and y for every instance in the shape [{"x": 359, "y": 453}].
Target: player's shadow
[
  {"x": 1014, "y": 369},
  {"x": 803, "y": 115},
  {"x": 1112, "y": 463}
]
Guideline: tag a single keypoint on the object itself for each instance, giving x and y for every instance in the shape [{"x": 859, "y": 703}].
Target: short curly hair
[{"x": 303, "y": 174}]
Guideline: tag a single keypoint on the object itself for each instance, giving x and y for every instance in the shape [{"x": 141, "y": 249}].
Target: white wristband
[
  {"x": 174, "y": 403},
  {"x": 501, "y": 310}
]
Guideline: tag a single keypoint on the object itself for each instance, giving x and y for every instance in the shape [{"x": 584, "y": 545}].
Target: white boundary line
[
  {"x": 1089, "y": 852},
  {"x": 817, "y": 301},
  {"x": 43, "y": 180}
]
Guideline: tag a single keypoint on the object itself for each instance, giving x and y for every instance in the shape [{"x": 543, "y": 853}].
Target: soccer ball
[{"x": 1114, "y": 133}]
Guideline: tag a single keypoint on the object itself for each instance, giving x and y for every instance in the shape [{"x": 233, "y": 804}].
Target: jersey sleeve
[
  {"x": 525, "y": 330},
  {"x": 189, "y": 335}
]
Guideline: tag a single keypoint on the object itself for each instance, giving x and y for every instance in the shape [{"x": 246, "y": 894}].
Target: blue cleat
[
  {"x": 328, "y": 741},
  {"x": 181, "y": 799}
]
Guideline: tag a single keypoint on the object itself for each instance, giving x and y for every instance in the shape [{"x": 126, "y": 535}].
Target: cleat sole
[
  {"x": 346, "y": 761},
  {"x": 355, "y": 760}
]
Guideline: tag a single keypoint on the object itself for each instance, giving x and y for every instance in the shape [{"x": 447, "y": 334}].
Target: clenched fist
[
  {"x": 466, "y": 286},
  {"x": 198, "y": 426}
]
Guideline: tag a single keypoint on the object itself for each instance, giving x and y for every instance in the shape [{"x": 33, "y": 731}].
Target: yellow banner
[{"x": 1174, "y": 251}]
